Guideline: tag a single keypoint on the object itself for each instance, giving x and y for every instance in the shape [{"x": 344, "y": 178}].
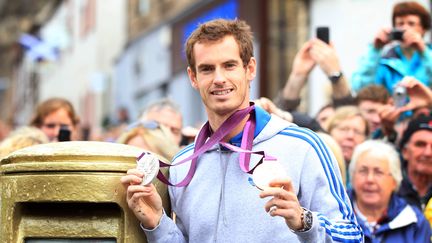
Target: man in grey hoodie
[{"x": 219, "y": 203}]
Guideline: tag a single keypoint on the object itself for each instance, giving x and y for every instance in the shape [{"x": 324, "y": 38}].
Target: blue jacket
[
  {"x": 220, "y": 205},
  {"x": 387, "y": 68},
  {"x": 404, "y": 223}
]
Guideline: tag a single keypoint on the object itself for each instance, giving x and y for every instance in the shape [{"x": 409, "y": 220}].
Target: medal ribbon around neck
[{"x": 201, "y": 146}]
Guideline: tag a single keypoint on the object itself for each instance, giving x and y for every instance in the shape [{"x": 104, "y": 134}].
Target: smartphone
[
  {"x": 64, "y": 134},
  {"x": 396, "y": 35},
  {"x": 323, "y": 33}
]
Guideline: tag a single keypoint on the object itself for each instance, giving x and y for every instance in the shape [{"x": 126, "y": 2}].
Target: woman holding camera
[
  {"x": 56, "y": 117},
  {"x": 398, "y": 52}
]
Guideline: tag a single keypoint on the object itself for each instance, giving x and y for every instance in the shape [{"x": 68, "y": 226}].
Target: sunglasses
[{"x": 152, "y": 125}]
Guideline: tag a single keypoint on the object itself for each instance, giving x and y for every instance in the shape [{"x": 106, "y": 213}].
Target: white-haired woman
[{"x": 375, "y": 174}]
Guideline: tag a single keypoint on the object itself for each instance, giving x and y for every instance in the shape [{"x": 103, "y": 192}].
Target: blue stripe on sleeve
[
  {"x": 326, "y": 170},
  {"x": 325, "y": 158},
  {"x": 337, "y": 183},
  {"x": 184, "y": 150}
]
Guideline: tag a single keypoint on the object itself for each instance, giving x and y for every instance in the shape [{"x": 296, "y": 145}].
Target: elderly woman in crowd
[
  {"x": 375, "y": 174},
  {"x": 53, "y": 114}
]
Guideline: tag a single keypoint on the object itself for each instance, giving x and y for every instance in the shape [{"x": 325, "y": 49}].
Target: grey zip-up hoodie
[{"x": 220, "y": 205}]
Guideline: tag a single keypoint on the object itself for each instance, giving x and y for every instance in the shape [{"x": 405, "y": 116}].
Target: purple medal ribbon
[{"x": 201, "y": 146}]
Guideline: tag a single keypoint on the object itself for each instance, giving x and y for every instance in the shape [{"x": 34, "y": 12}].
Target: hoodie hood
[{"x": 262, "y": 131}]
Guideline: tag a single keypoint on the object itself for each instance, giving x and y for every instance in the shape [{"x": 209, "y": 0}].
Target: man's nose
[{"x": 219, "y": 76}]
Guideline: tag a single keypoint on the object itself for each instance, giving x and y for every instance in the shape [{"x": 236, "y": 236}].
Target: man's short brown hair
[
  {"x": 412, "y": 8},
  {"x": 374, "y": 93},
  {"x": 216, "y": 30}
]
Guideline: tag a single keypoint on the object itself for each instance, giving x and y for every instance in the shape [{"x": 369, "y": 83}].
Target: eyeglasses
[
  {"x": 345, "y": 130},
  {"x": 376, "y": 173},
  {"x": 54, "y": 125}
]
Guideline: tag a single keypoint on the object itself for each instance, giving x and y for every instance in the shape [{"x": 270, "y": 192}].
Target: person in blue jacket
[
  {"x": 400, "y": 52},
  {"x": 375, "y": 173},
  {"x": 220, "y": 200}
]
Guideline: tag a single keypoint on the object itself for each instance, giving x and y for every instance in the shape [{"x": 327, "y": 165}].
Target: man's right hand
[{"x": 144, "y": 201}]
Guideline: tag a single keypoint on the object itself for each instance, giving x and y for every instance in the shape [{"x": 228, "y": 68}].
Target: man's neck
[
  {"x": 217, "y": 121},
  {"x": 421, "y": 182}
]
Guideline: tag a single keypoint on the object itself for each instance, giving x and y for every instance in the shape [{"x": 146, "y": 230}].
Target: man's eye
[
  {"x": 420, "y": 144},
  {"x": 230, "y": 65},
  {"x": 206, "y": 69}
]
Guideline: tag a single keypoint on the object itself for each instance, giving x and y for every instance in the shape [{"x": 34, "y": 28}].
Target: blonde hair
[
  {"x": 337, "y": 152},
  {"x": 158, "y": 139},
  {"x": 21, "y": 138},
  {"x": 342, "y": 113}
]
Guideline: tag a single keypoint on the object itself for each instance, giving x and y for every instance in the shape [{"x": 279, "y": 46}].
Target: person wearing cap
[
  {"x": 416, "y": 149},
  {"x": 222, "y": 201},
  {"x": 398, "y": 52}
]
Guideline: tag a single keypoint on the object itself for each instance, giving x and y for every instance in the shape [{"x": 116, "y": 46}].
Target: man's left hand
[{"x": 284, "y": 202}]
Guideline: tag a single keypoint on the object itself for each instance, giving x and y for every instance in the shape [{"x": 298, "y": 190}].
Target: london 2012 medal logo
[{"x": 148, "y": 164}]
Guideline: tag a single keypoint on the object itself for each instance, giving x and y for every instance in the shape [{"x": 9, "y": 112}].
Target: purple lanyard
[{"x": 201, "y": 146}]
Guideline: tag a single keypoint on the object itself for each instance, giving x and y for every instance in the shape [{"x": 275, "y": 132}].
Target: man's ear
[
  {"x": 192, "y": 78},
  {"x": 404, "y": 152},
  {"x": 251, "y": 69}
]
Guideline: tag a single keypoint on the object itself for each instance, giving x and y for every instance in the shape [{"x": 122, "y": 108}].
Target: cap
[{"x": 420, "y": 123}]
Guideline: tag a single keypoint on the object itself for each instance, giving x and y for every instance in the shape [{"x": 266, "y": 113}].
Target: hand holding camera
[
  {"x": 420, "y": 95},
  {"x": 382, "y": 38},
  {"x": 414, "y": 39},
  {"x": 408, "y": 38},
  {"x": 400, "y": 95}
]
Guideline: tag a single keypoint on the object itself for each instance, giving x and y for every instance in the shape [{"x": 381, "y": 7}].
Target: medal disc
[
  {"x": 266, "y": 172},
  {"x": 149, "y": 165}
]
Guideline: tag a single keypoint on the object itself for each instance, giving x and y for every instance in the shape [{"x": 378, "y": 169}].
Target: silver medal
[
  {"x": 266, "y": 172},
  {"x": 149, "y": 165}
]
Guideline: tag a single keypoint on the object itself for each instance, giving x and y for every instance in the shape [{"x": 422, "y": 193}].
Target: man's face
[
  {"x": 221, "y": 78},
  {"x": 323, "y": 116},
  {"x": 418, "y": 153},
  {"x": 168, "y": 118},
  {"x": 370, "y": 111}
]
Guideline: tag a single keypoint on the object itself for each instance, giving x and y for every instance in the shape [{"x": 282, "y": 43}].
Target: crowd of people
[{"x": 358, "y": 170}]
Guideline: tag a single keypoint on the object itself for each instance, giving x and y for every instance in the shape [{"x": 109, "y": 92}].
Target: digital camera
[
  {"x": 400, "y": 96},
  {"x": 396, "y": 35}
]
